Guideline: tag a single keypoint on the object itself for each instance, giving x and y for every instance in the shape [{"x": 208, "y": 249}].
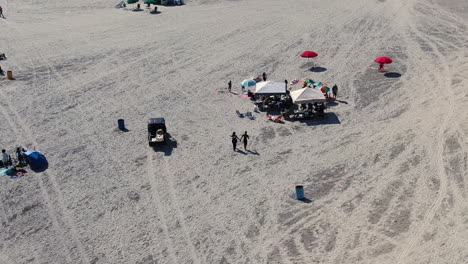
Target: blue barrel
[
  {"x": 121, "y": 124},
  {"x": 300, "y": 192}
]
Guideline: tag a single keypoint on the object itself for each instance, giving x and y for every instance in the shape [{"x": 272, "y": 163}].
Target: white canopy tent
[
  {"x": 307, "y": 95},
  {"x": 271, "y": 88}
]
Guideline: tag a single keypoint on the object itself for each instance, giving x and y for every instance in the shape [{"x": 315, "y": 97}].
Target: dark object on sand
[
  {"x": 300, "y": 192},
  {"x": 121, "y": 124}
]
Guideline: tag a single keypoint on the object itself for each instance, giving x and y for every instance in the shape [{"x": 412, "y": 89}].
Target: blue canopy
[{"x": 36, "y": 160}]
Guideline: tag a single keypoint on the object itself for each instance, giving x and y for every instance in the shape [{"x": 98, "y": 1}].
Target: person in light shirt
[{"x": 5, "y": 158}]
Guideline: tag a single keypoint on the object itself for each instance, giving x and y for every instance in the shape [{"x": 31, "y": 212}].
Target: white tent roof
[
  {"x": 307, "y": 95},
  {"x": 270, "y": 87}
]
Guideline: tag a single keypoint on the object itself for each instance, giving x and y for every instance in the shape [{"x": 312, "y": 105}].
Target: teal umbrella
[
  {"x": 307, "y": 80},
  {"x": 132, "y": 1},
  {"x": 248, "y": 83},
  {"x": 318, "y": 84}
]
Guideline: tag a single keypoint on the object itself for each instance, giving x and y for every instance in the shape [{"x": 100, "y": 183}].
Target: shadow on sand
[
  {"x": 392, "y": 75},
  {"x": 336, "y": 102},
  {"x": 327, "y": 119},
  {"x": 318, "y": 69},
  {"x": 247, "y": 152},
  {"x": 305, "y": 200},
  {"x": 294, "y": 199},
  {"x": 167, "y": 148},
  {"x": 122, "y": 130}
]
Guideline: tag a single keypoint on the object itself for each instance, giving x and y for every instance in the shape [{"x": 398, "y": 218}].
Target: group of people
[
  {"x": 318, "y": 108},
  {"x": 244, "y": 138},
  {"x": 334, "y": 90},
  {"x": 6, "y": 159}
]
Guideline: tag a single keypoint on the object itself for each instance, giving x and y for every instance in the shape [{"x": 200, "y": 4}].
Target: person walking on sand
[
  {"x": 1, "y": 12},
  {"x": 264, "y": 77},
  {"x": 335, "y": 91},
  {"x": 245, "y": 139},
  {"x": 229, "y": 86},
  {"x": 234, "y": 140}
]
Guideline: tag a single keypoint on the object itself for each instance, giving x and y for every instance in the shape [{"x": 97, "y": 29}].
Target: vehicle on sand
[{"x": 157, "y": 132}]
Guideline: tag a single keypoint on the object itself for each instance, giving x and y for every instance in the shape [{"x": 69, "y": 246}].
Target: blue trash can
[
  {"x": 300, "y": 192},
  {"x": 121, "y": 124}
]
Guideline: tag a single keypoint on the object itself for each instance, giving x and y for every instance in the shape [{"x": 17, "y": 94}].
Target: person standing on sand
[
  {"x": 5, "y": 158},
  {"x": 229, "y": 86},
  {"x": 234, "y": 140},
  {"x": 335, "y": 91},
  {"x": 245, "y": 139},
  {"x": 264, "y": 77}
]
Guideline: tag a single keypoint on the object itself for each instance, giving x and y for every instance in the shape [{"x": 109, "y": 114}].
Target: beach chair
[
  {"x": 239, "y": 114},
  {"x": 250, "y": 115},
  {"x": 276, "y": 119}
]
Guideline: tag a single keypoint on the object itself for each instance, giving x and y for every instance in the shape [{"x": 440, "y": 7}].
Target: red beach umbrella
[
  {"x": 309, "y": 54},
  {"x": 383, "y": 60}
]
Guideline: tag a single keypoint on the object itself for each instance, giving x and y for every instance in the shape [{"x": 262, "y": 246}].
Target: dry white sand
[{"x": 386, "y": 174}]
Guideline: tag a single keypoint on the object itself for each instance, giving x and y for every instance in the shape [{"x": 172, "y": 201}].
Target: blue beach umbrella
[
  {"x": 36, "y": 160},
  {"x": 248, "y": 83}
]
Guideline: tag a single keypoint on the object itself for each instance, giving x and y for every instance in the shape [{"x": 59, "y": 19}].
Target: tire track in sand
[
  {"x": 162, "y": 185},
  {"x": 44, "y": 193},
  {"x": 439, "y": 157},
  {"x": 20, "y": 125}
]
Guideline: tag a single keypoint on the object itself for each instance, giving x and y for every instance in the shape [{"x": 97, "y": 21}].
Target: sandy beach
[{"x": 385, "y": 172}]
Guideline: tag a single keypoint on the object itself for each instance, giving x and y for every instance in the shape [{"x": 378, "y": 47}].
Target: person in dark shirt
[
  {"x": 245, "y": 139},
  {"x": 335, "y": 91},
  {"x": 234, "y": 140}
]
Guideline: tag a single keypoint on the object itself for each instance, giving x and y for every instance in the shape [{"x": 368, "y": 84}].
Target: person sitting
[
  {"x": 159, "y": 135},
  {"x": 321, "y": 109},
  {"x": 1, "y": 71},
  {"x": 315, "y": 107},
  {"x": 249, "y": 94},
  {"x": 2, "y": 56}
]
